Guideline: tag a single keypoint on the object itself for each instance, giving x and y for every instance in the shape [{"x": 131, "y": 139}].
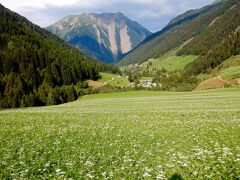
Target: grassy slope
[
  {"x": 231, "y": 73},
  {"x": 231, "y": 62},
  {"x": 172, "y": 63},
  {"x": 225, "y": 73},
  {"x": 132, "y": 134},
  {"x": 231, "y": 68},
  {"x": 228, "y": 68},
  {"x": 107, "y": 77},
  {"x": 120, "y": 82},
  {"x": 169, "y": 61},
  {"x": 110, "y": 79}
]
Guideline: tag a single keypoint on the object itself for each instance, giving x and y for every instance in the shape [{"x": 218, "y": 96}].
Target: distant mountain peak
[{"x": 105, "y": 36}]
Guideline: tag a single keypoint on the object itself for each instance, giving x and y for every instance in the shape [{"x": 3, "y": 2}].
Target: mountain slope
[
  {"x": 230, "y": 46},
  {"x": 180, "y": 30},
  {"x": 218, "y": 42},
  {"x": 104, "y": 36},
  {"x": 213, "y": 34},
  {"x": 36, "y": 67}
]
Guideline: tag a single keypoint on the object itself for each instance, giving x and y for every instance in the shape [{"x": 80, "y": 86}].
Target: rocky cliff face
[{"x": 105, "y": 36}]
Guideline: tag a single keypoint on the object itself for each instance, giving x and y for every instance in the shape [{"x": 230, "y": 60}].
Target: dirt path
[
  {"x": 109, "y": 81},
  {"x": 220, "y": 78},
  {"x": 213, "y": 83}
]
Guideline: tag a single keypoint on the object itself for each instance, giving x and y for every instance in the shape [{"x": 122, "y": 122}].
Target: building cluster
[{"x": 148, "y": 84}]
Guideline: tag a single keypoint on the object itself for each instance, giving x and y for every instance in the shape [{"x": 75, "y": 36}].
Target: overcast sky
[{"x": 153, "y": 14}]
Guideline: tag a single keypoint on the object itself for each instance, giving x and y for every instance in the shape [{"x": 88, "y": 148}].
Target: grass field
[
  {"x": 169, "y": 61},
  {"x": 225, "y": 73},
  {"x": 110, "y": 79},
  {"x": 231, "y": 73},
  {"x": 120, "y": 82},
  {"x": 172, "y": 63},
  {"x": 107, "y": 77},
  {"x": 136, "y": 135},
  {"x": 231, "y": 68},
  {"x": 232, "y": 61}
]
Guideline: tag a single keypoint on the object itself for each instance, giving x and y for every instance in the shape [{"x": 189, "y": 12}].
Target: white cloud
[
  {"x": 151, "y": 2},
  {"x": 150, "y": 13},
  {"x": 41, "y": 4}
]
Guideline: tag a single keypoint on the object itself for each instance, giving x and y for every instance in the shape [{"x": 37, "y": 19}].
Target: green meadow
[
  {"x": 131, "y": 135},
  {"x": 172, "y": 63}
]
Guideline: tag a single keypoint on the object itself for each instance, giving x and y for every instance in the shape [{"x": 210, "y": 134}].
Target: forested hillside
[
  {"x": 207, "y": 36},
  {"x": 213, "y": 34},
  {"x": 208, "y": 25},
  {"x": 219, "y": 41},
  {"x": 38, "y": 68},
  {"x": 230, "y": 46}
]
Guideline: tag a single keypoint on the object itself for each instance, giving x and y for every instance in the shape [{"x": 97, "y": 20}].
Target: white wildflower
[
  {"x": 58, "y": 171},
  {"x": 146, "y": 174},
  {"x": 88, "y": 163},
  {"x": 89, "y": 176}
]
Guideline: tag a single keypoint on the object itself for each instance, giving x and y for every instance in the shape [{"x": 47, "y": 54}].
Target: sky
[{"x": 152, "y": 14}]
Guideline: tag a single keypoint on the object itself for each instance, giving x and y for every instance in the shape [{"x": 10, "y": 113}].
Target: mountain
[
  {"x": 220, "y": 41},
  {"x": 37, "y": 67},
  {"x": 105, "y": 37},
  {"x": 196, "y": 30}
]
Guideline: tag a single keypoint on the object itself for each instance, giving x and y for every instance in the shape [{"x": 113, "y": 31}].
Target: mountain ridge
[
  {"x": 196, "y": 21},
  {"x": 105, "y": 36}
]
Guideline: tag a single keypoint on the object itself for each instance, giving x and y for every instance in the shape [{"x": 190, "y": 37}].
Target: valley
[{"x": 96, "y": 95}]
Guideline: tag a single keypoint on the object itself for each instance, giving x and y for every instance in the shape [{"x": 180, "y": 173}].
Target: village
[{"x": 148, "y": 84}]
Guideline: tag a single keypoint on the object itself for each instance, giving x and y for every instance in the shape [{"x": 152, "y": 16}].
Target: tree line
[
  {"x": 38, "y": 68},
  {"x": 229, "y": 47}
]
